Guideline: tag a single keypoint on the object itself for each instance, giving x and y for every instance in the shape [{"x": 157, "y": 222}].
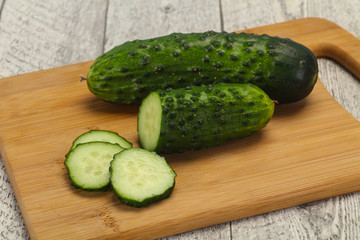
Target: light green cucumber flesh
[
  {"x": 101, "y": 136},
  {"x": 198, "y": 117},
  {"x": 140, "y": 177},
  {"x": 149, "y": 121},
  {"x": 88, "y": 164}
]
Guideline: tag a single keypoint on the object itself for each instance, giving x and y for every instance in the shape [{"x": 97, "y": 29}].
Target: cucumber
[
  {"x": 140, "y": 177},
  {"x": 102, "y": 136},
  {"x": 88, "y": 164},
  {"x": 286, "y": 70},
  {"x": 202, "y": 116}
]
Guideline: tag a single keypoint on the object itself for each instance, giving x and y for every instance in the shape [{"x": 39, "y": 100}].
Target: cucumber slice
[
  {"x": 101, "y": 136},
  {"x": 140, "y": 177},
  {"x": 88, "y": 164}
]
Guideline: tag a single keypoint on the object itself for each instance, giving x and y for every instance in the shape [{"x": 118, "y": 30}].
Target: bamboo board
[{"x": 309, "y": 151}]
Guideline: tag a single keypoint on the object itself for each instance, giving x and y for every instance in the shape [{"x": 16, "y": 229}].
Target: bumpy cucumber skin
[
  {"x": 286, "y": 70},
  {"x": 205, "y": 116}
]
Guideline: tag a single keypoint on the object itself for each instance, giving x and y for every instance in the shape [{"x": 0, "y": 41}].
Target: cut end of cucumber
[{"x": 149, "y": 121}]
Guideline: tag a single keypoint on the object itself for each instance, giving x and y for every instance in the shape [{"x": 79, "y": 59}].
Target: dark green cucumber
[
  {"x": 140, "y": 177},
  {"x": 284, "y": 69},
  {"x": 201, "y": 116}
]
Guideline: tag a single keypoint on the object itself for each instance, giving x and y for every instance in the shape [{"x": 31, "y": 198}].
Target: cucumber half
[
  {"x": 197, "y": 117},
  {"x": 140, "y": 177},
  {"x": 88, "y": 164},
  {"x": 101, "y": 136}
]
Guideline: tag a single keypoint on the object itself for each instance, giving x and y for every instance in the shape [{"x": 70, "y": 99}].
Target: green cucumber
[
  {"x": 286, "y": 70},
  {"x": 102, "y": 136},
  {"x": 140, "y": 177},
  {"x": 201, "y": 116},
  {"x": 88, "y": 164}
]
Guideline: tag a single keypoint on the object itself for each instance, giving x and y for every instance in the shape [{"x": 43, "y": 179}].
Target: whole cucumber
[
  {"x": 201, "y": 116},
  {"x": 284, "y": 69}
]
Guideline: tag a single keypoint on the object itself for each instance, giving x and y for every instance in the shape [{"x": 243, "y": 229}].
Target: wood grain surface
[
  {"x": 35, "y": 36},
  {"x": 242, "y": 178}
]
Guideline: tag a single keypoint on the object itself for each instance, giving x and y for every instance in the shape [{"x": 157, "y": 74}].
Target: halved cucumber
[
  {"x": 197, "y": 117},
  {"x": 88, "y": 164},
  {"x": 101, "y": 136},
  {"x": 140, "y": 177}
]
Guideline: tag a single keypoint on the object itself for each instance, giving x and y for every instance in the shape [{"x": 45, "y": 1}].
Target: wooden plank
[
  {"x": 341, "y": 12},
  {"x": 336, "y": 217},
  {"x": 61, "y": 37},
  {"x": 129, "y": 20},
  {"x": 36, "y": 35},
  {"x": 75, "y": 32},
  {"x": 314, "y": 165}
]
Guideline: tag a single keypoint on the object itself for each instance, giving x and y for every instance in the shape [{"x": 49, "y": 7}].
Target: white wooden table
[{"x": 36, "y": 35}]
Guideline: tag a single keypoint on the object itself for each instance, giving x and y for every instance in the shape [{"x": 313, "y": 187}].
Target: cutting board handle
[
  {"x": 334, "y": 42},
  {"x": 323, "y": 37}
]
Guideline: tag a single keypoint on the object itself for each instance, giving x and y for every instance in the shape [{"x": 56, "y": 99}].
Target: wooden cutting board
[{"x": 310, "y": 150}]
